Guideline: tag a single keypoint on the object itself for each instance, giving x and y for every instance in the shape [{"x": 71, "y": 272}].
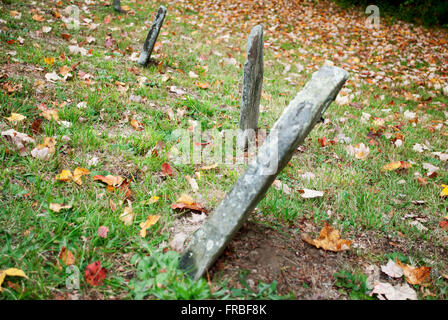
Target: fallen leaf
[
  {"x": 444, "y": 191},
  {"x": 280, "y": 186},
  {"x": 193, "y": 183},
  {"x": 65, "y": 175},
  {"x": 432, "y": 170},
  {"x": 202, "y": 85},
  {"x": 414, "y": 275},
  {"x": 397, "y": 292},
  {"x": 186, "y": 202},
  {"x": 210, "y": 167},
  {"x": 78, "y": 173},
  {"x": 47, "y": 113},
  {"x": 11, "y": 272},
  {"x": 49, "y": 60},
  {"x": 329, "y": 239},
  {"x": 127, "y": 216},
  {"x": 45, "y": 150},
  {"x": 109, "y": 180},
  {"x": 57, "y": 207},
  {"x": 151, "y": 200},
  {"x": 94, "y": 274},
  {"x": 15, "y": 117},
  {"x": 392, "y": 270},
  {"x": 444, "y": 224},
  {"x": 166, "y": 169},
  {"x": 52, "y": 77},
  {"x": 185, "y": 198},
  {"x": 19, "y": 139},
  {"x": 137, "y": 125},
  {"x": 66, "y": 256},
  {"x": 309, "y": 194},
  {"x": 359, "y": 151},
  {"x": 150, "y": 220}
]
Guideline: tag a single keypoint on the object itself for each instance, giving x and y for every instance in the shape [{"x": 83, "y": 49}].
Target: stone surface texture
[
  {"x": 252, "y": 83},
  {"x": 117, "y": 5},
  {"x": 151, "y": 38},
  {"x": 295, "y": 123}
]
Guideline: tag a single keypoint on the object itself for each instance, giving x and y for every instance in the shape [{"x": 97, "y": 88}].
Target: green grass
[{"x": 359, "y": 198}]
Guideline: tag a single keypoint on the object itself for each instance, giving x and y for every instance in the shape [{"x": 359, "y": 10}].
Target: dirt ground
[{"x": 269, "y": 254}]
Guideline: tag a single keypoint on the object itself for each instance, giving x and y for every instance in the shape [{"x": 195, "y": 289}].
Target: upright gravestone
[
  {"x": 286, "y": 135},
  {"x": 152, "y": 36},
  {"x": 117, "y": 5},
  {"x": 252, "y": 84}
]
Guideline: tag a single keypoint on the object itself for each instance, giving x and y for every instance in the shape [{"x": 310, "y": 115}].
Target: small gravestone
[
  {"x": 152, "y": 36},
  {"x": 117, "y": 5},
  {"x": 252, "y": 84},
  {"x": 287, "y": 134}
]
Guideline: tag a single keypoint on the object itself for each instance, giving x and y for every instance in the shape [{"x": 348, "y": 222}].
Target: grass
[{"x": 359, "y": 197}]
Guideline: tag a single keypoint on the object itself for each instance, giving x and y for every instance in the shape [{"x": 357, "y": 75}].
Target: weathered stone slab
[
  {"x": 152, "y": 36},
  {"x": 297, "y": 120},
  {"x": 117, "y": 5},
  {"x": 252, "y": 84}
]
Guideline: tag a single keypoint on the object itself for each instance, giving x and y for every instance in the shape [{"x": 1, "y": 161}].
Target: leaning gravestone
[
  {"x": 152, "y": 36},
  {"x": 287, "y": 134},
  {"x": 252, "y": 83}
]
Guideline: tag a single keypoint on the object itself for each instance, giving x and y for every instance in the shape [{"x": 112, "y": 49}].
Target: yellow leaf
[
  {"x": 49, "y": 61},
  {"x": 137, "y": 125},
  {"x": 78, "y": 173},
  {"x": 125, "y": 8},
  {"x": 15, "y": 117},
  {"x": 57, "y": 207},
  {"x": 185, "y": 198},
  {"x": 391, "y": 166},
  {"x": 65, "y": 175},
  {"x": 151, "y": 220},
  {"x": 127, "y": 216},
  {"x": 11, "y": 272},
  {"x": 444, "y": 192},
  {"x": 329, "y": 239},
  {"x": 151, "y": 200}
]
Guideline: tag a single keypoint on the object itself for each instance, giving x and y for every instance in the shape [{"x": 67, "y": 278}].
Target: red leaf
[
  {"x": 323, "y": 141},
  {"x": 166, "y": 169},
  {"x": 444, "y": 224},
  {"x": 65, "y": 36},
  {"x": 94, "y": 274}
]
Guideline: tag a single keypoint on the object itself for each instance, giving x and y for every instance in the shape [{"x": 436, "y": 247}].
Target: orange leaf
[
  {"x": 66, "y": 256},
  {"x": 109, "y": 179},
  {"x": 137, "y": 125},
  {"x": 202, "y": 85},
  {"x": 329, "y": 239},
  {"x": 78, "y": 173},
  {"x": 415, "y": 275},
  {"x": 151, "y": 220},
  {"x": 166, "y": 169}
]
